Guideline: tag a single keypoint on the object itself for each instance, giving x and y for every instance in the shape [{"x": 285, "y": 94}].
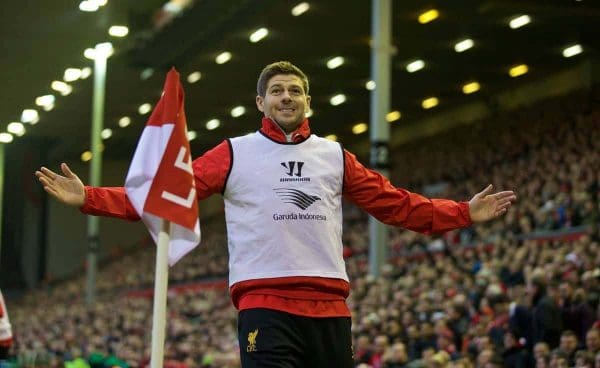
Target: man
[
  {"x": 592, "y": 340},
  {"x": 568, "y": 345},
  {"x": 546, "y": 322},
  {"x": 395, "y": 356},
  {"x": 514, "y": 354},
  {"x": 540, "y": 349},
  {"x": 283, "y": 191}
]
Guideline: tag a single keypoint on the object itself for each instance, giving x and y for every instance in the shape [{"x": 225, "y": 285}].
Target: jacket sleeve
[
  {"x": 210, "y": 172},
  {"x": 108, "y": 201},
  {"x": 375, "y": 194}
]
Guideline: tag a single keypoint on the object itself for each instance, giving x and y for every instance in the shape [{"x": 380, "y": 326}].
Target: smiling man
[
  {"x": 283, "y": 98},
  {"x": 283, "y": 190}
]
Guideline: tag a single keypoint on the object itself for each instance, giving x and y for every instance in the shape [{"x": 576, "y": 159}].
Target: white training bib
[{"x": 283, "y": 205}]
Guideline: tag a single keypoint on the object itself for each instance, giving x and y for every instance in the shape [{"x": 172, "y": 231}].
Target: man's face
[
  {"x": 541, "y": 348},
  {"x": 285, "y": 101},
  {"x": 568, "y": 343},
  {"x": 565, "y": 290},
  {"x": 592, "y": 340}
]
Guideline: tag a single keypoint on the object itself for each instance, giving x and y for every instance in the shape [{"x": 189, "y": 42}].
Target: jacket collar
[{"x": 274, "y": 131}]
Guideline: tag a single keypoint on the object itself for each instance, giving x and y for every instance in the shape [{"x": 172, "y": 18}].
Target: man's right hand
[{"x": 67, "y": 189}]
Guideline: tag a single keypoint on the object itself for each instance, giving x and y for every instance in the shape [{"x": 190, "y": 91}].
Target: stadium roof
[{"x": 40, "y": 39}]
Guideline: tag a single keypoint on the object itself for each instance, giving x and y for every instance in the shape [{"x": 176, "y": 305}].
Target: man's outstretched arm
[
  {"x": 210, "y": 172},
  {"x": 99, "y": 201},
  {"x": 399, "y": 207}
]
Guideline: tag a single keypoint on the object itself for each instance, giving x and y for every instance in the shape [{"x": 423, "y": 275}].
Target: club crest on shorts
[{"x": 252, "y": 341}]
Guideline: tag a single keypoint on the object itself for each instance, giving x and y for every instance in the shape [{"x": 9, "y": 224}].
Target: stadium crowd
[{"x": 522, "y": 291}]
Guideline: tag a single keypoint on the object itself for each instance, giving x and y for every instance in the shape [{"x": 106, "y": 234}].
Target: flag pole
[{"x": 161, "y": 280}]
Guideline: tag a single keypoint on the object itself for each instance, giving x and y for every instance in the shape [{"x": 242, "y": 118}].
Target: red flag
[{"x": 160, "y": 181}]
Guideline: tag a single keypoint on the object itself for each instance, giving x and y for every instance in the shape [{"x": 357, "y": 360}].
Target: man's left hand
[{"x": 486, "y": 205}]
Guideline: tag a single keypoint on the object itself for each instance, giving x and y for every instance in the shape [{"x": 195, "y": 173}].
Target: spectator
[
  {"x": 584, "y": 359},
  {"x": 576, "y": 312},
  {"x": 363, "y": 352},
  {"x": 546, "y": 322},
  {"x": 558, "y": 359},
  {"x": 484, "y": 357},
  {"x": 568, "y": 346},
  {"x": 541, "y": 349},
  {"x": 380, "y": 346},
  {"x": 542, "y": 361},
  {"x": 396, "y": 356},
  {"x": 514, "y": 354},
  {"x": 592, "y": 340},
  {"x": 498, "y": 327}
]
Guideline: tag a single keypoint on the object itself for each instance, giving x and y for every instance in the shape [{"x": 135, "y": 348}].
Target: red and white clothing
[
  {"x": 6, "y": 336},
  {"x": 301, "y": 294}
]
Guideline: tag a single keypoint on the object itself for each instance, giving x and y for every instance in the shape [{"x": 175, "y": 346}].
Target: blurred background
[{"x": 482, "y": 91}]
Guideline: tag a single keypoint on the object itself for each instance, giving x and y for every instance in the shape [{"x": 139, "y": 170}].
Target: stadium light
[
  {"x": 238, "y": 111},
  {"x": 223, "y": 57},
  {"x": 572, "y": 51},
  {"x": 430, "y": 102},
  {"x": 6, "y": 138},
  {"x": 300, "y": 9},
  {"x": 106, "y": 133},
  {"x": 415, "y": 66},
  {"x": 104, "y": 49},
  {"x": 86, "y": 72},
  {"x": 71, "y": 74},
  {"x": 146, "y": 73},
  {"x": 370, "y": 85},
  {"x": 332, "y": 137},
  {"x": 45, "y": 100},
  {"x": 118, "y": 31},
  {"x": 213, "y": 124},
  {"x": 360, "y": 128},
  {"x": 393, "y": 116},
  {"x": 191, "y": 135},
  {"x": 463, "y": 45},
  {"x": 335, "y": 62},
  {"x": 61, "y": 87},
  {"x": 428, "y": 16},
  {"x": 86, "y": 156},
  {"x": 258, "y": 35},
  {"x": 89, "y": 53},
  {"x": 88, "y": 6},
  {"x": 144, "y": 108},
  {"x": 518, "y": 70},
  {"x": 194, "y": 77},
  {"x": 519, "y": 21},
  {"x": 470, "y": 88},
  {"x": 337, "y": 99},
  {"x": 30, "y": 116},
  {"x": 16, "y": 128},
  {"x": 124, "y": 121}
]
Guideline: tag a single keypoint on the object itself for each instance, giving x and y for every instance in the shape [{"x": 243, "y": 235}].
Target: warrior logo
[{"x": 290, "y": 166}]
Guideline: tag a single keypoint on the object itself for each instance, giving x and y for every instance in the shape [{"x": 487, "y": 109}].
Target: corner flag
[{"x": 160, "y": 182}]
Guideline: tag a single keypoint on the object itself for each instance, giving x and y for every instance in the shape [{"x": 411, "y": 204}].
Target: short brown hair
[{"x": 279, "y": 67}]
